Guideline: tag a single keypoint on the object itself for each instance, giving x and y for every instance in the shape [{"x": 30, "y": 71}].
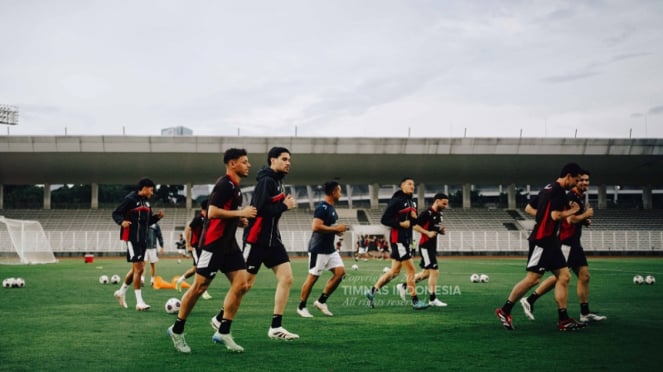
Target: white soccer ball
[
  {"x": 103, "y": 279},
  {"x": 386, "y": 269},
  {"x": 355, "y": 267},
  {"x": 474, "y": 278},
  {"x": 483, "y": 278},
  {"x": 173, "y": 305},
  {"x": 649, "y": 279},
  {"x": 638, "y": 279},
  {"x": 8, "y": 283},
  {"x": 115, "y": 279},
  {"x": 19, "y": 283}
]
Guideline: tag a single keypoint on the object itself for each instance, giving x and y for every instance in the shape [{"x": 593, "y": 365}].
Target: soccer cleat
[
  {"x": 215, "y": 323},
  {"x": 206, "y": 296},
  {"x": 527, "y": 308},
  {"x": 323, "y": 308},
  {"x": 227, "y": 339},
  {"x": 371, "y": 298},
  {"x": 120, "y": 298},
  {"x": 504, "y": 318},
  {"x": 142, "y": 307},
  {"x": 304, "y": 313},
  {"x": 178, "y": 341},
  {"x": 281, "y": 333},
  {"x": 591, "y": 317},
  {"x": 437, "y": 303},
  {"x": 401, "y": 291},
  {"x": 570, "y": 325},
  {"x": 420, "y": 305}
]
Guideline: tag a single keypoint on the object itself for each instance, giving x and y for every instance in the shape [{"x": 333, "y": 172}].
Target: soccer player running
[
  {"x": 134, "y": 215},
  {"x": 429, "y": 225},
  {"x": 545, "y": 250},
  {"x": 262, "y": 238},
  {"x": 570, "y": 233},
  {"x": 400, "y": 216},
  {"x": 192, "y": 235},
  {"x": 321, "y": 252},
  {"x": 220, "y": 252}
]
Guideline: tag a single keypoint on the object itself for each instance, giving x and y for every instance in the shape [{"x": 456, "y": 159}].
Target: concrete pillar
[
  {"x": 511, "y": 196},
  {"x": 373, "y": 190},
  {"x": 47, "y": 196},
  {"x": 603, "y": 197},
  {"x": 94, "y": 196},
  {"x": 615, "y": 196},
  {"x": 446, "y": 190},
  {"x": 467, "y": 196},
  {"x": 2, "y": 196},
  {"x": 311, "y": 197},
  {"x": 189, "y": 199},
  {"x": 421, "y": 197},
  {"x": 647, "y": 201},
  {"x": 348, "y": 194}
]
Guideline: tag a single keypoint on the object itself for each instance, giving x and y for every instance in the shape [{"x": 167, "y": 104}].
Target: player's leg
[
  {"x": 410, "y": 272},
  {"x": 283, "y": 273},
  {"x": 531, "y": 279},
  {"x": 307, "y": 286},
  {"x": 334, "y": 263},
  {"x": 528, "y": 302}
]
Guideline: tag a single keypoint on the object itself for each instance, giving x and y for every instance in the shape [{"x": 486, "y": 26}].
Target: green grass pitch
[{"x": 65, "y": 320}]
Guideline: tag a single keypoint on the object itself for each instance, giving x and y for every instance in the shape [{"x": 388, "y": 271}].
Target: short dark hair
[
  {"x": 570, "y": 168},
  {"x": 440, "y": 195},
  {"x": 330, "y": 187},
  {"x": 145, "y": 182},
  {"x": 585, "y": 171},
  {"x": 274, "y": 152},
  {"x": 233, "y": 154},
  {"x": 406, "y": 179}
]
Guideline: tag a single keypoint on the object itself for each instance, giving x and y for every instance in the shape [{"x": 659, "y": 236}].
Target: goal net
[{"x": 24, "y": 242}]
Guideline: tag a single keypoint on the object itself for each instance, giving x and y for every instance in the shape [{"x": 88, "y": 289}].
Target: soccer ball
[
  {"x": 19, "y": 283},
  {"x": 638, "y": 279},
  {"x": 115, "y": 279},
  {"x": 649, "y": 279},
  {"x": 173, "y": 305},
  {"x": 103, "y": 279},
  {"x": 483, "y": 278},
  {"x": 474, "y": 278},
  {"x": 386, "y": 269},
  {"x": 355, "y": 267},
  {"x": 8, "y": 283}
]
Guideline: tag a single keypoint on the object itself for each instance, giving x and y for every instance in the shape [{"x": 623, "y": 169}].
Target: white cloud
[{"x": 336, "y": 68}]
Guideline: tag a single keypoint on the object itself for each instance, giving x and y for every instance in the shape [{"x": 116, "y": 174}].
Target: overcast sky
[{"x": 334, "y": 68}]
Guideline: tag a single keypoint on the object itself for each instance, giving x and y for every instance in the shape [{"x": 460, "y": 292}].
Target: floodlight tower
[{"x": 8, "y": 115}]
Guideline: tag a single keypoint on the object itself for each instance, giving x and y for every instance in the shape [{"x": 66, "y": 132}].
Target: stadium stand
[{"x": 469, "y": 231}]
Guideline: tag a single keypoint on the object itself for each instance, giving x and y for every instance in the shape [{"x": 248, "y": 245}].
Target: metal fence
[{"x": 485, "y": 242}]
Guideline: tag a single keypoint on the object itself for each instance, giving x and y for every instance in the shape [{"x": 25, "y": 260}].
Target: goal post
[{"x": 24, "y": 242}]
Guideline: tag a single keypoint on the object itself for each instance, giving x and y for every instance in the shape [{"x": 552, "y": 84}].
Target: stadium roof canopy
[{"x": 433, "y": 161}]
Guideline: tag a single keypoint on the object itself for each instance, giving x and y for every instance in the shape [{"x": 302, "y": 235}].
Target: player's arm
[
  {"x": 225, "y": 214},
  {"x": 121, "y": 211},
  {"x": 530, "y": 210},
  {"x": 421, "y": 230},
  {"x": 262, "y": 199},
  {"x": 187, "y": 238},
  {"x": 390, "y": 217},
  {"x": 318, "y": 225}
]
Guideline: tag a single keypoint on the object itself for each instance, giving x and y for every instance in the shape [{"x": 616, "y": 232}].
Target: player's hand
[
  {"x": 243, "y": 222},
  {"x": 249, "y": 211},
  {"x": 574, "y": 207},
  {"x": 413, "y": 214},
  {"x": 161, "y": 213},
  {"x": 290, "y": 202},
  {"x": 126, "y": 223},
  {"x": 589, "y": 211},
  {"x": 443, "y": 230},
  {"x": 405, "y": 224},
  {"x": 431, "y": 234},
  {"x": 341, "y": 228}
]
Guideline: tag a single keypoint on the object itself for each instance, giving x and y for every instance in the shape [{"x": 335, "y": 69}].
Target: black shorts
[
  {"x": 545, "y": 256},
  {"x": 195, "y": 253},
  {"x": 209, "y": 262},
  {"x": 428, "y": 258},
  {"x": 400, "y": 252},
  {"x": 577, "y": 257},
  {"x": 135, "y": 251},
  {"x": 256, "y": 255}
]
